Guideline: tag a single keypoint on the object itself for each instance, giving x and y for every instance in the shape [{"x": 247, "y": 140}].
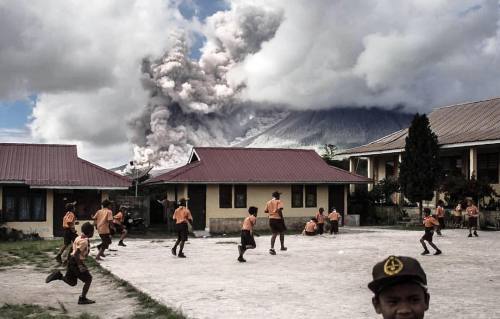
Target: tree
[
  {"x": 328, "y": 156},
  {"x": 457, "y": 187},
  {"x": 420, "y": 169}
]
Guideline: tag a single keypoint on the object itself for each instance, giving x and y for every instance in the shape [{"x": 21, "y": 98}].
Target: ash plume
[{"x": 193, "y": 102}]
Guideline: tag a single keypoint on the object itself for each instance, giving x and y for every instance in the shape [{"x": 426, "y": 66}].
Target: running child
[
  {"x": 334, "y": 217},
  {"x": 311, "y": 227},
  {"x": 321, "y": 220},
  {"x": 473, "y": 213},
  {"x": 104, "y": 224},
  {"x": 247, "y": 240},
  {"x": 118, "y": 222},
  {"x": 76, "y": 267},
  {"x": 182, "y": 217},
  {"x": 429, "y": 224},
  {"x": 69, "y": 221}
]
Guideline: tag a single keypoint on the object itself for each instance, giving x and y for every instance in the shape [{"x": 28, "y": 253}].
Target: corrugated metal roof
[
  {"x": 257, "y": 165},
  {"x": 456, "y": 124},
  {"x": 46, "y": 165}
]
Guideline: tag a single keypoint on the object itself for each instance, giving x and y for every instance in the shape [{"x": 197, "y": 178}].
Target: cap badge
[{"x": 393, "y": 266}]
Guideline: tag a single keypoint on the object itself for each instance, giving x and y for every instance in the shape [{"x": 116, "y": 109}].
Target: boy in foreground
[
  {"x": 274, "y": 208},
  {"x": 247, "y": 240},
  {"x": 400, "y": 288},
  {"x": 76, "y": 267}
]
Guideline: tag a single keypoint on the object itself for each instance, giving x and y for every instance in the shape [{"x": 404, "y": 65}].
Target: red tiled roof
[
  {"x": 257, "y": 165},
  {"x": 52, "y": 165},
  {"x": 454, "y": 125}
]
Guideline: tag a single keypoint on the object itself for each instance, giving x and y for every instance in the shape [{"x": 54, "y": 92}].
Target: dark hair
[
  {"x": 106, "y": 203},
  {"x": 70, "y": 207},
  {"x": 427, "y": 210},
  {"x": 87, "y": 229},
  {"x": 321, "y": 209},
  {"x": 252, "y": 210},
  {"x": 440, "y": 202},
  {"x": 314, "y": 219}
]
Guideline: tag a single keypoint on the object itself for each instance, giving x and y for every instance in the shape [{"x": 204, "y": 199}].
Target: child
[
  {"x": 247, "y": 240},
  {"x": 473, "y": 213},
  {"x": 440, "y": 217},
  {"x": 400, "y": 288},
  {"x": 104, "y": 224},
  {"x": 69, "y": 221},
  {"x": 311, "y": 227},
  {"x": 274, "y": 208},
  {"x": 429, "y": 224},
  {"x": 334, "y": 217},
  {"x": 321, "y": 220},
  {"x": 182, "y": 216},
  {"x": 118, "y": 222},
  {"x": 457, "y": 216},
  {"x": 76, "y": 268}
]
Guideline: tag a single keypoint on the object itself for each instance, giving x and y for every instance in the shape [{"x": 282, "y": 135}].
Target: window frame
[
  {"x": 225, "y": 199},
  {"x": 240, "y": 189},
  {"x": 297, "y": 190},
  {"x": 311, "y": 190},
  {"x": 490, "y": 174},
  {"x": 31, "y": 195}
]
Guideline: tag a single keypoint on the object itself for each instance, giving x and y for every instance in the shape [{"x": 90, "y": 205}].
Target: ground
[{"x": 318, "y": 277}]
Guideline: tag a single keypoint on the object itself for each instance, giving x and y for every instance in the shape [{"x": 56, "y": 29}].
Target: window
[
  {"x": 390, "y": 168},
  {"x": 23, "y": 204},
  {"x": 487, "y": 167},
  {"x": 451, "y": 165},
  {"x": 297, "y": 196},
  {"x": 240, "y": 196},
  {"x": 311, "y": 196},
  {"x": 225, "y": 196}
]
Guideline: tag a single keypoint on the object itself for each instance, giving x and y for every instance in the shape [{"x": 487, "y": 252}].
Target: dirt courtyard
[{"x": 317, "y": 277}]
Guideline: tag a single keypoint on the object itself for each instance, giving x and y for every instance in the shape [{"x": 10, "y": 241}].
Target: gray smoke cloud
[{"x": 192, "y": 102}]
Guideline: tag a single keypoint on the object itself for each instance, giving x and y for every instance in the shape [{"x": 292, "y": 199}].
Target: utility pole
[{"x": 136, "y": 179}]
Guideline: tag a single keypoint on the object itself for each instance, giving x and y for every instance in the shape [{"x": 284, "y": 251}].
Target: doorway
[
  {"x": 197, "y": 195},
  {"x": 336, "y": 199}
]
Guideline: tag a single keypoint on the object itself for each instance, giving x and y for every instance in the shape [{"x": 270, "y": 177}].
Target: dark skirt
[
  {"x": 472, "y": 222},
  {"x": 321, "y": 228},
  {"x": 441, "y": 223},
  {"x": 277, "y": 225},
  {"x": 247, "y": 239},
  {"x": 334, "y": 226},
  {"x": 182, "y": 231}
]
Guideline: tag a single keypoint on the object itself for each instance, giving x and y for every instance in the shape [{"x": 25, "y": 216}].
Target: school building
[
  {"x": 37, "y": 180},
  {"x": 221, "y": 183},
  {"x": 468, "y": 136}
]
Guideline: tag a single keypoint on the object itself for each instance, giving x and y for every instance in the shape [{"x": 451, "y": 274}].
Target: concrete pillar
[
  {"x": 352, "y": 169},
  {"x": 370, "y": 171},
  {"x": 472, "y": 162}
]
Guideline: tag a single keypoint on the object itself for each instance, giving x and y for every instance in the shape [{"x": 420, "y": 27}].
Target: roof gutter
[
  {"x": 80, "y": 187},
  {"x": 257, "y": 183}
]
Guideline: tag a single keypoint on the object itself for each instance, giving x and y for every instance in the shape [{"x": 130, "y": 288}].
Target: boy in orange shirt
[
  {"x": 334, "y": 217},
  {"x": 182, "y": 217},
  {"x": 311, "y": 227},
  {"x": 247, "y": 240},
  {"x": 429, "y": 224},
  {"x": 69, "y": 221},
  {"x": 274, "y": 208},
  {"x": 104, "y": 224},
  {"x": 76, "y": 267},
  {"x": 473, "y": 213},
  {"x": 321, "y": 220},
  {"x": 118, "y": 222},
  {"x": 440, "y": 217}
]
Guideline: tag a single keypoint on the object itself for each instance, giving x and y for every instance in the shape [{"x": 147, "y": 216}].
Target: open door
[
  {"x": 197, "y": 195},
  {"x": 336, "y": 199}
]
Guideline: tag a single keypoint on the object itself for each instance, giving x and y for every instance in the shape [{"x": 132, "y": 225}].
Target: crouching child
[
  {"x": 247, "y": 240},
  {"x": 76, "y": 267},
  {"x": 311, "y": 227}
]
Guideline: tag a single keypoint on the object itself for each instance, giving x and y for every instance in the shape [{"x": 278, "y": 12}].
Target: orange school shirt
[
  {"x": 118, "y": 218},
  {"x": 440, "y": 212},
  {"x": 102, "y": 218},
  {"x": 182, "y": 215},
  {"x": 69, "y": 220},
  {"x": 334, "y": 216},
  {"x": 272, "y": 208},
  {"x": 82, "y": 243},
  {"x": 249, "y": 223},
  {"x": 472, "y": 211},
  {"x": 430, "y": 222},
  {"x": 310, "y": 227},
  {"x": 320, "y": 218}
]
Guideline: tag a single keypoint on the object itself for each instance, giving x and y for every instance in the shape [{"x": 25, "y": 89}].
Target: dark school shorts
[
  {"x": 73, "y": 273},
  {"x": 442, "y": 225},
  {"x": 69, "y": 236},
  {"x": 247, "y": 239},
  {"x": 310, "y": 233},
  {"x": 119, "y": 228},
  {"x": 429, "y": 232},
  {"x": 106, "y": 240},
  {"x": 182, "y": 231},
  {"x": 472, "y": 222},
  {"x": 277, "y": 225}
]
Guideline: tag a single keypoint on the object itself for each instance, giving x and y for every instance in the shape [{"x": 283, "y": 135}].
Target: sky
[{"x": 124, "y": 79}]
